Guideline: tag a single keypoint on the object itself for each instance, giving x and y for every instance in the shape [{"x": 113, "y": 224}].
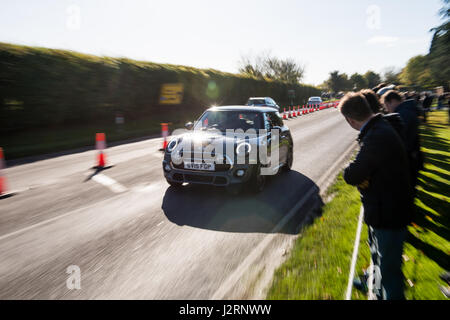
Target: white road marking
[
  {"x": 36, "y": 225},
  {"x": 5, "y": 236},
  {"x": 348, "y": 294},
  {"x": 112, "y": 184},
  {"x": 232, "y": 279},
  {"x": 149, "y": 187}
]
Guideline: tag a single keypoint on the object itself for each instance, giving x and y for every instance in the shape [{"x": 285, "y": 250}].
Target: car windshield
[
  {"x": 223, "y": 120},
  {"x": 256, "y": 102}
]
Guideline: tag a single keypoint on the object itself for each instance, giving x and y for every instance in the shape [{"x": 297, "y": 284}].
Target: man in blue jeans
[
  {"x": 381, "y": 173},
  {"x": 386, "y": 248}
]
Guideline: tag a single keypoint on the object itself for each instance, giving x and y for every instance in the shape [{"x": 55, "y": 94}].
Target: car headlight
[
  {"x": 172, "y": 145},
  {"x": 243, "y": 147}
]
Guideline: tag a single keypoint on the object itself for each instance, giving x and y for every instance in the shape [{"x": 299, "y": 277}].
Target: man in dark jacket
[
  {"x": 409, "y": 113},
  {"x": 427, "y": 101},
  {"x": 394, "y": 119},
  {"x": 381, "y": 173},
  {"x": 426, "y": 105}
]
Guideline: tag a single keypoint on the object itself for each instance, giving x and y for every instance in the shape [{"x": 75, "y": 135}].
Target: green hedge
[{"x": 49, "y": 88}]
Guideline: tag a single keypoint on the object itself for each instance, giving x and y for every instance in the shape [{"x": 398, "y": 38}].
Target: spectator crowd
[{"x": 385, "y": 172}]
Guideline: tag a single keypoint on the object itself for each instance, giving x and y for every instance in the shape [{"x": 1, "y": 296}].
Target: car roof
[
  {"x": 259, "y": 98},
  {"x": 315, "y": 98},
  {"x": 243, "y": 108}
]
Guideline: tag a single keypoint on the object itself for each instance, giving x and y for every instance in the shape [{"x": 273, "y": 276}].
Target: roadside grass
[
  {"x": 318, "y": 265},
  {"x": 48, "y": 140}
]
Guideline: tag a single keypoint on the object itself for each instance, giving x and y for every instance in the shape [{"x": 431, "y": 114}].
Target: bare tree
[
  {"x": 390, "y": 75},
  {"x": 266, "y": 66}
]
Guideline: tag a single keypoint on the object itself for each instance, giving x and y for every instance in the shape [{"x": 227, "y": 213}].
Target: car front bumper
[{"x": 216, "y": 178}]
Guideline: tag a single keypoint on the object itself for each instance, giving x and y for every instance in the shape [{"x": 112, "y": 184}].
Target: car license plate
[{"x": 199, "y": 166}]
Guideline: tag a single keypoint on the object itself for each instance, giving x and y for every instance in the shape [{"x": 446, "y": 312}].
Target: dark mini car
[
  {"x": 262, "y": 102},
  {"x": 235, "y": 162}
]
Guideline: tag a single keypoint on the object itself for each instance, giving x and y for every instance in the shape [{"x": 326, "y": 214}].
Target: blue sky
[{"x": 324, "y": 35}]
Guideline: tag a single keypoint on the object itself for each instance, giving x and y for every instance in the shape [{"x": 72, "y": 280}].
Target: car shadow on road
[{"x": 213, "y": 208}]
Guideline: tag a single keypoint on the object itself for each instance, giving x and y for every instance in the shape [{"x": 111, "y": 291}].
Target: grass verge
[{"x": 318, "y": 265}]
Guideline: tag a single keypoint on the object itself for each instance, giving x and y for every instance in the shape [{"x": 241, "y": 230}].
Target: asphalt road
[{"x": 133, "y": 236}]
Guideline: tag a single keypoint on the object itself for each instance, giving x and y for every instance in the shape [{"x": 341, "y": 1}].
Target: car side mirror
[{"x": 189, "y": 125}]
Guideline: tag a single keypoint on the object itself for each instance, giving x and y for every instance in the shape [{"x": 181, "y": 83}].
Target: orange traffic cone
[
  {"x": 289, "y": 113},
  {"x": 284, "y": 114},
  {"x": 101, "y": 160},
  {"x": 2, "y": 178},
  {"x": 100, "y": 144},
  {"x": 165, "y": 134}
]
